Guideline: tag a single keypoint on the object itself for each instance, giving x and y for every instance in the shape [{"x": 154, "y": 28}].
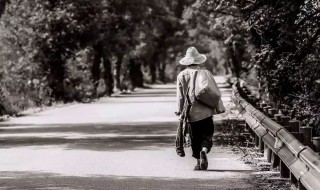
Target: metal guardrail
[{"x": 297, "y": 161}]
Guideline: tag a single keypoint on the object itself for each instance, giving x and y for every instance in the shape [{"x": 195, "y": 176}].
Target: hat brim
[{"x": 201, "y": 58}]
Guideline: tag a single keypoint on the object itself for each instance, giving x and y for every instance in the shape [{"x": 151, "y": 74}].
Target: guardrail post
[
  {"x": 261, "y": 145},
  {"x": 293, "y": 179},
  {"x": 256, "y": 140},
  {"x": 284, "y": 170},
  {"x": 272, "y": 112},
  {"x": 306, "y": 136},
  {"x": 300, "y": 186},
  {"x": 267, "y": 153},
  {"x": 298, "y": 136},
  {"x": 252, "y": 100},
  {"x": 265, "y": 110},
  {"x": 277, "y": 118},
  {"x": 262, "y": 105},
  {"x": 316, "y": 143},
  {"x": 257, "y": 103},
  {"x": 285, "y": 122},
  {"x": 275, "y": 160},
  {"x": 248, "y": 128},
  {"x": 294, "y": 125}
]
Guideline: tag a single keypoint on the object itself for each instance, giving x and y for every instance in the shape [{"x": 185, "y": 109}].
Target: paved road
[{"x": 122, "y": 142}]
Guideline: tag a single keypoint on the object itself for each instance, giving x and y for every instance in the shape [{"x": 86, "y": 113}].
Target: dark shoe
[
  {"x": 203, "y": 160},
  {"x": 180, "y": 152},
  {"x": 197, "y": 167}
]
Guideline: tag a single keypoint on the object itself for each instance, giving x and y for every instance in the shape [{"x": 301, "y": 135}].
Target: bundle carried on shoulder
[{"x": 206, "y": 90}]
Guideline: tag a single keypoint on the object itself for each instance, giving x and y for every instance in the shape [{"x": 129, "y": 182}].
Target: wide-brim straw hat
[{"x": 193, "y": 57}]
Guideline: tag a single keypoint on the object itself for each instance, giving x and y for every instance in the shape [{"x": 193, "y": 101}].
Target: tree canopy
[
  {"x": 285, "y": 37},
  {"x": 66, "y": 50},
  {"x": 78, "y": 50}
]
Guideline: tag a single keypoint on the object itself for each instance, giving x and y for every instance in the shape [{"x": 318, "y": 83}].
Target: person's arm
[{"x": 180, "y": 97}]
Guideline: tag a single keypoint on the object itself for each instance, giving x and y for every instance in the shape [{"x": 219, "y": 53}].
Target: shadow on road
[
  {"x": 96, "y": 144},
  {"x": 240, "y": 171},
  {"x": 146, "y": 95},
  {"x": 43, "y": 180},
  {"x": 98, "y": 137}
]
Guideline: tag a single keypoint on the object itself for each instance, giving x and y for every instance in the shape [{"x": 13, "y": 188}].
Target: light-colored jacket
[{"x": 198, "y": 111}]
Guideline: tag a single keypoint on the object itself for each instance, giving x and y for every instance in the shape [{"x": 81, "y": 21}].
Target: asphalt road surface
[{"x": 124, "y": 142}]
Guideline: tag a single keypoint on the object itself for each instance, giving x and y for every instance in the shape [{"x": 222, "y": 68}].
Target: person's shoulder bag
[{"x": 207, "y": 92}]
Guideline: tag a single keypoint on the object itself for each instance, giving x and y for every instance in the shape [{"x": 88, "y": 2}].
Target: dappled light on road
[{"x": 111, "y": 139}]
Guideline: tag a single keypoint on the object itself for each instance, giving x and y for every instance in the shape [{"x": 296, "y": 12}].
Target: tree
[{"x": 286, "y": 48}]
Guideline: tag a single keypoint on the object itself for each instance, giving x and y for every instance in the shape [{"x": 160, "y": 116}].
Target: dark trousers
[{"x": 202, "y": 132}]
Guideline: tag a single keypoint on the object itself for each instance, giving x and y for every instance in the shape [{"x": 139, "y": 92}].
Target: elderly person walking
[{"x": 200, "y": 118}]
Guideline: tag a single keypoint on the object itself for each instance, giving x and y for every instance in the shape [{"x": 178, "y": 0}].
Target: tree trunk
[
  {"x": 108, "y": 77},
  {"x": 95, "y": 70},
  {"x": 136, "y": 75},
  {"x": 139, "y": 75},
  {"x": 57, "y": 72},
  {"x": 236, "y": 66},
  {"x": 3, "y": 4},
  {"x": 162, "y": 72},
  {"x": 117, "y": 72},
  {"x": 153, "y": 71}
]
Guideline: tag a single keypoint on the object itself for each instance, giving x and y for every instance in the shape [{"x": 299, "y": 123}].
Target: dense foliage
[
  {"x": 69, "y": 50},
  {"x": 82, "y": 49},
  {"x": 285, "y": 57}
]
